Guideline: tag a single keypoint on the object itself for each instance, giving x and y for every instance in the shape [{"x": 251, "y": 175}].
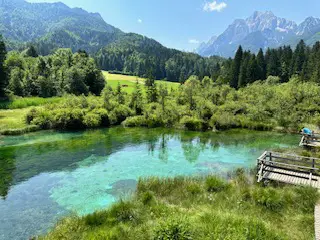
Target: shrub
[
  {"x": 307, "y": 198},
  {"x": 119, "y": 114},
  {"x": 147, "y": 197},
  {"x": 173, "y": 229},
  {"x": 224, "y": 120},
  {"x": 268, "y": 198},
  {"x": 194, "y": 188},
  {"x": 193, "y": 123},
  {"x": 123, "y": 212},
  {"x": 92, "y": 120},
  {"x": 214, "y": 184},
  {"x": 96, "y": 218},
  {"x": 136, "y": 121}
]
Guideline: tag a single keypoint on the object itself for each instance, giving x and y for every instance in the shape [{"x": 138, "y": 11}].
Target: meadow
[
  {"x": 128, "y": 83},
  {"x": 185, "y": 208}
]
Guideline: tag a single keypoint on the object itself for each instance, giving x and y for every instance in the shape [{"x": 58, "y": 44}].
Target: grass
[
  {"x": 13, "y": 119},
  {"x": 200, "y": 208},
  {"x": 130, "y": 81},
  {"x": 18, "y": 103}
]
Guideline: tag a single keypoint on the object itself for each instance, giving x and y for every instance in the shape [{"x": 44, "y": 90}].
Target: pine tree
[
  {"x": 261, "y": 65},
  {"x": 3, "y": 74},
  {"x": 273, "y": 63},
  {"x": 137, "y": 99},
  {"x": 236, "y": 68},
  {"x": 243, "y": 75},
  {"x": 163, "y": 93},
  {"x": 32, "y": 52},
  {"x": 252, "y": 71},
  {"x": 299, "y": 58},
  {"x": 119, "y": 94}
]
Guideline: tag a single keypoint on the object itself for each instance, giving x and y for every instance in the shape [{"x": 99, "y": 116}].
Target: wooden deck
[
  {"x": 307, "y": 141},
  {"x": 290, "y": 169}
]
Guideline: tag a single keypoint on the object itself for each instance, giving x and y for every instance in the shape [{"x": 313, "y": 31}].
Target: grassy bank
[
  {"x": 19, "y": 102},
  {"x": 200, "y": 208}
]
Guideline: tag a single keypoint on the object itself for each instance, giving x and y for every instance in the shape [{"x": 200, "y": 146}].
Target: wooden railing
[
  {"x": 300, "y": 166},
  {"x": 312, "y": 141}
]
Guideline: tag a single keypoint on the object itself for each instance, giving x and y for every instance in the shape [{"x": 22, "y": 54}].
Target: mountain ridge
[{"x": 272, "y": 32}]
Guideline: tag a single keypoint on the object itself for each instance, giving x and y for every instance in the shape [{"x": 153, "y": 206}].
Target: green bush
[
  {"x": 119, "y": 114},
  {"x": 269, "y": 198},
  {"x": 136, "y": 121},
  {"x": 147, "y": 197},
  {"x": 307, "y": 198},
  {"x": 193, "y": 123},
  {"x": 173, "y": 229},
  {"x": 215, "y": 184},
  {"x": 96, "y": 219},
  {"x": 123, "y": 212},
  {"x": 194, "y": 188}
]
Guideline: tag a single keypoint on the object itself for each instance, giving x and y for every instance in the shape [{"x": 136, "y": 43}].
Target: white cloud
[
  {"x": 214, "y": 6},
  {"x": 139, "y": 20},
  {"x": 194, "y": 41}
]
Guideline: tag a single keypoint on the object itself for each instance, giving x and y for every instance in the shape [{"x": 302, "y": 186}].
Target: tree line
[
  {"x": 284, "y": 62},
  {"x": 137, "y": 55},
  {"x": 27, "y": 74}
]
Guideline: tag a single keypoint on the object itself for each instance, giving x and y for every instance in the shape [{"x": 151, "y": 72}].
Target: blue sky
[{"x": 182, "y": 24}]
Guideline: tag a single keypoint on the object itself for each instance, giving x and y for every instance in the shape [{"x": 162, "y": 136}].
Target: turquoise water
[{"x": 47, "y": 175}]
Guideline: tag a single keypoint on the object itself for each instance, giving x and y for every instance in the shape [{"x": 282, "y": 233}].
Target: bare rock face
[{"x": 261, "y": 30}]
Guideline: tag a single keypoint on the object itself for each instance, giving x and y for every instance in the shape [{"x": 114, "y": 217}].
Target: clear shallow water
[{"x": 47, "y": 175}]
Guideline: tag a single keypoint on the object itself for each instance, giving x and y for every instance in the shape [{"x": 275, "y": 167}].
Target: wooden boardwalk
[
  {"x": 292, "y": 169},
  {"x": 310, "y": 141}
]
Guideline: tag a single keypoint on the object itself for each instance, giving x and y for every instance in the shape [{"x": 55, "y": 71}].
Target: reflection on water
[{"x": 46, "y": 175}]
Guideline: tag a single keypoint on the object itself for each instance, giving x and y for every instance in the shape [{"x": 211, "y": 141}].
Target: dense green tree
[
  {"x": 3, "y": 73},
  {"x": 163, "y": 94},
  {"x": 136, "y": 102},
  {"x": 31, "y": 52},
  {"x": 56, "y": 74},
  {"x": 120, "y": 94},
  {"x": 15, "y": 83},
  {"x": 261, "y": 65},
  {"x": 236, "y": 67}
]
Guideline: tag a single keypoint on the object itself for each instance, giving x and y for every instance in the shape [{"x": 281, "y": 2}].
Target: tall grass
[
  {"x": 200, "y": 208},
  {"x": 18, "y": 103}
]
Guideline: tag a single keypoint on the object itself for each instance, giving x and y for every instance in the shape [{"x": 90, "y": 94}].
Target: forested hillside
[
  {"x": 53, "y": 25},
  {"x": 283, "y": 63},
  {"x": 140, "y": 56}
]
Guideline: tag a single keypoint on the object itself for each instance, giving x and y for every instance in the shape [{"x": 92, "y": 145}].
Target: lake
[{"x": 47, "y": 175}]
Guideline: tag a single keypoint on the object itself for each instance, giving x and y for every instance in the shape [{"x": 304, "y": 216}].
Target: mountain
[
  {"x": 54, "y": 25},
  {"x": 261, "y": 30},
  {"x": 49, "y": 26}
]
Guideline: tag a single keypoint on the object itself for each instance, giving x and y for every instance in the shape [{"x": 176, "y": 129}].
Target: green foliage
[
  {"x": 3, "y": 71},
  {"x": 96, "y": 218},
  {"x": 53, "y": 75},
  {"x": 214, "y": 184},
  {"x": 124, "y": 212},
  {"x": 197, "y": 106},
  {"x": 309, "y": 197},
  {"x": 269, "y": 198},
  {"x": 147, "y": 197},
  {"x": 193, "y": 123},
  {"x": 173, "y": 229}
]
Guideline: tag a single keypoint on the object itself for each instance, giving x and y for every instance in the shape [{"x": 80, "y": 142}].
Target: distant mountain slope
[
  {"x": 54, "y": 25},
  {"x": 261, "y": 30}
]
